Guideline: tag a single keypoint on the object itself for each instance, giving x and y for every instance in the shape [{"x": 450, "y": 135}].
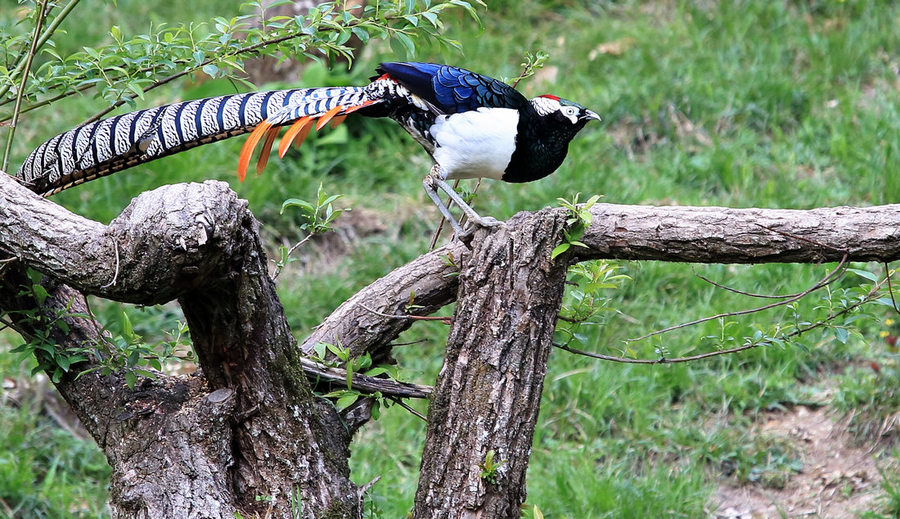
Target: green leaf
[
  {"x": 305, "y": 206},
  {"x": 319, "y": 349},
  {"x": 347, "y": 400},
  {"x": 130, "y": 379},
  {"x": 40, "y": 294},
  {"x": 136, "y": 89},
  {"x": 866, "y": 274},
  {"x": 562, "y": 247},
  {"x": 841, "y": 335},
  {"x": 210, "y": 70},
  {"x": 361, "y": 33},
  {"x": 407, "y": 43}
]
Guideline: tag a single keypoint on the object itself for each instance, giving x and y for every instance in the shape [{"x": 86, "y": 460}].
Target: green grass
[
  {"x": 769, "y": 104},
  {"x": 45, "y": 472}
]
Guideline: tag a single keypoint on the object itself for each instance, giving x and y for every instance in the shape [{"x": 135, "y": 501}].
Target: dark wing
[{"x": 452, "y": 89}]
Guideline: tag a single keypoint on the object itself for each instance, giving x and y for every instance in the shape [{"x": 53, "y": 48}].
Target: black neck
[{"x": 541, "y": 146}]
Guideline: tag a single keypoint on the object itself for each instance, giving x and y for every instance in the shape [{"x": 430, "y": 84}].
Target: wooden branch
[
  {"x": 198, "y": 243},
  {"x": 686, "y": 234},
  {"x": 318, "y": 372},
  {"x": 359, "y": 323},
  {"x": 724, "y": 235}
]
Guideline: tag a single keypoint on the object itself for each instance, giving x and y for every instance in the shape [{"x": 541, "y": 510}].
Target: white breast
[{"x": 475, "y": 144}]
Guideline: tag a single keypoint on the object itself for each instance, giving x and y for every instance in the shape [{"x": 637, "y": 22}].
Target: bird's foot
[
  {"x": 479, "y": 222},
  {"x": 485, "y": 221}
]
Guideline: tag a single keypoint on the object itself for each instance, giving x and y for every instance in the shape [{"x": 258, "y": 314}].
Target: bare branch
[
  {"x": 828, "y": 279},
  {"x": 317, "y": 372},
  {"x": 764, "y": 342}
]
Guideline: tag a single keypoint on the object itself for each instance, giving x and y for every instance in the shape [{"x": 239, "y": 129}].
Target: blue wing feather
[{"x": 453, "y": 89}]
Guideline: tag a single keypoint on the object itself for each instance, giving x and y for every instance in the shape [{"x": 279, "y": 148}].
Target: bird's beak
[{"x": 588, "y": 115}]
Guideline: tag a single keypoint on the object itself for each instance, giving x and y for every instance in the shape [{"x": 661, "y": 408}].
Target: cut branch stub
[{"x": 488, "y": 392}]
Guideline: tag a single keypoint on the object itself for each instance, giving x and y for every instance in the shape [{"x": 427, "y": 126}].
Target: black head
[{"x": 543, "y": 137}]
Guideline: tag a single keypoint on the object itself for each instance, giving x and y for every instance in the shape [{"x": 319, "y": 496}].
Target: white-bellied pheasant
[{"x": 471, "y": 125}]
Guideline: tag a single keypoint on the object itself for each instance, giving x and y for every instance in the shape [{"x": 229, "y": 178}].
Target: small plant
[
  {"x": 490, "y": 468},
  {"x": 531, "y": 64},
  {"x": 361, "y": 364},
  {"x": 296, "y": 504},
  {"x": 130, "y": 354},
  {"x": 51, "y": 358},
  {"x": 316, "y": 218},
  {"x": 579, "y": 217},
  {"x": 587, "y": 302}
]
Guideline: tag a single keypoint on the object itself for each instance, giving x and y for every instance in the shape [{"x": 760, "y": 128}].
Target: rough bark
[
  {"x": 489, "y": 390},
  {"x": 725, "y": 235},
  {"x": 201, "y": 446}
]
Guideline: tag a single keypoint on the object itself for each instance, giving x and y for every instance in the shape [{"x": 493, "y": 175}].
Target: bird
[{"x": 471, "y": 125}]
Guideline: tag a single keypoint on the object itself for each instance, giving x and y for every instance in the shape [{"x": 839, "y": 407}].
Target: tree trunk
[{"x": 489, "y": 390}]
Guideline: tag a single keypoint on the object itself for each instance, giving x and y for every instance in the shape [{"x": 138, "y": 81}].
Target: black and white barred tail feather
[{"x": 116, "y": 143}]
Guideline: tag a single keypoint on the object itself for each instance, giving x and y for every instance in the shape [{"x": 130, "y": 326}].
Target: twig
[
  {"x": 840, "y": 268},
  {"x": 887, "y": 274},
  {"x": 21, "y": 92},
  {"x": 661, "y": 360},
  {"x": 446, "y": 320},
  {"x": 116, "y": 273},
  {"x": 20, "y": 64},
  {"x": 406, "y": 406},
  {"x": 795, "y": 333},
  {"x": 741, "y": 292},
  {"x": 90, "y": 312},
  {"x": 316, "y": 371},
  {"x": 409, "y": 343},
  {"x": 801, "y": 238},
  {"x": 289, "y": 252}
]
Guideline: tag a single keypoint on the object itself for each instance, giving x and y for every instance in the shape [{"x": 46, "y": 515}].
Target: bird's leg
[{"x": 434, "y": 181}]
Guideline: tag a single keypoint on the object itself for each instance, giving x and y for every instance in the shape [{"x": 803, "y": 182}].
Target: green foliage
[
  {"x": 335, "y": 355},
  {"x": 126, "y": 66},
  {"x": 587, "y": 301},
  {"x": 489, "y": 468},
  {"x": 128, "y": 354},
  {"x": 51, "y": 358},
  {"x": 315, "y": 218},
  {"x": 579, "y": 218}
]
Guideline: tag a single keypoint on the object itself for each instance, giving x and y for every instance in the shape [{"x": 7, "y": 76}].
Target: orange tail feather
[
  {"x": 337, "y": 120},
  {"x": 302, "y": 135},
  {"x": 327, "y": 116},
  {"x": 291, "y": 134},
  {"x": 247, "y": 150},
  {"x": 266, "y": 149}
]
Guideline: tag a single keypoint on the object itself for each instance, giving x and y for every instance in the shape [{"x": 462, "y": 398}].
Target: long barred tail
[{"x": 110, "y": 145}]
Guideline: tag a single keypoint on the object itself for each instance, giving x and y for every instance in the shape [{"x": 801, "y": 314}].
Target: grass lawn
[{"x": 791, "y": 104}]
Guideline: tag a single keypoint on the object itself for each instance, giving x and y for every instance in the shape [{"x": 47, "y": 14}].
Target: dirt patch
[{"x": 838, "y": 480}]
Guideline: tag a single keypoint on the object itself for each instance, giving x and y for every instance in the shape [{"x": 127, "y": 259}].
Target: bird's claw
[
  {"x": 486, "y": 221},
  {"x": 482, "y": 222}
]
